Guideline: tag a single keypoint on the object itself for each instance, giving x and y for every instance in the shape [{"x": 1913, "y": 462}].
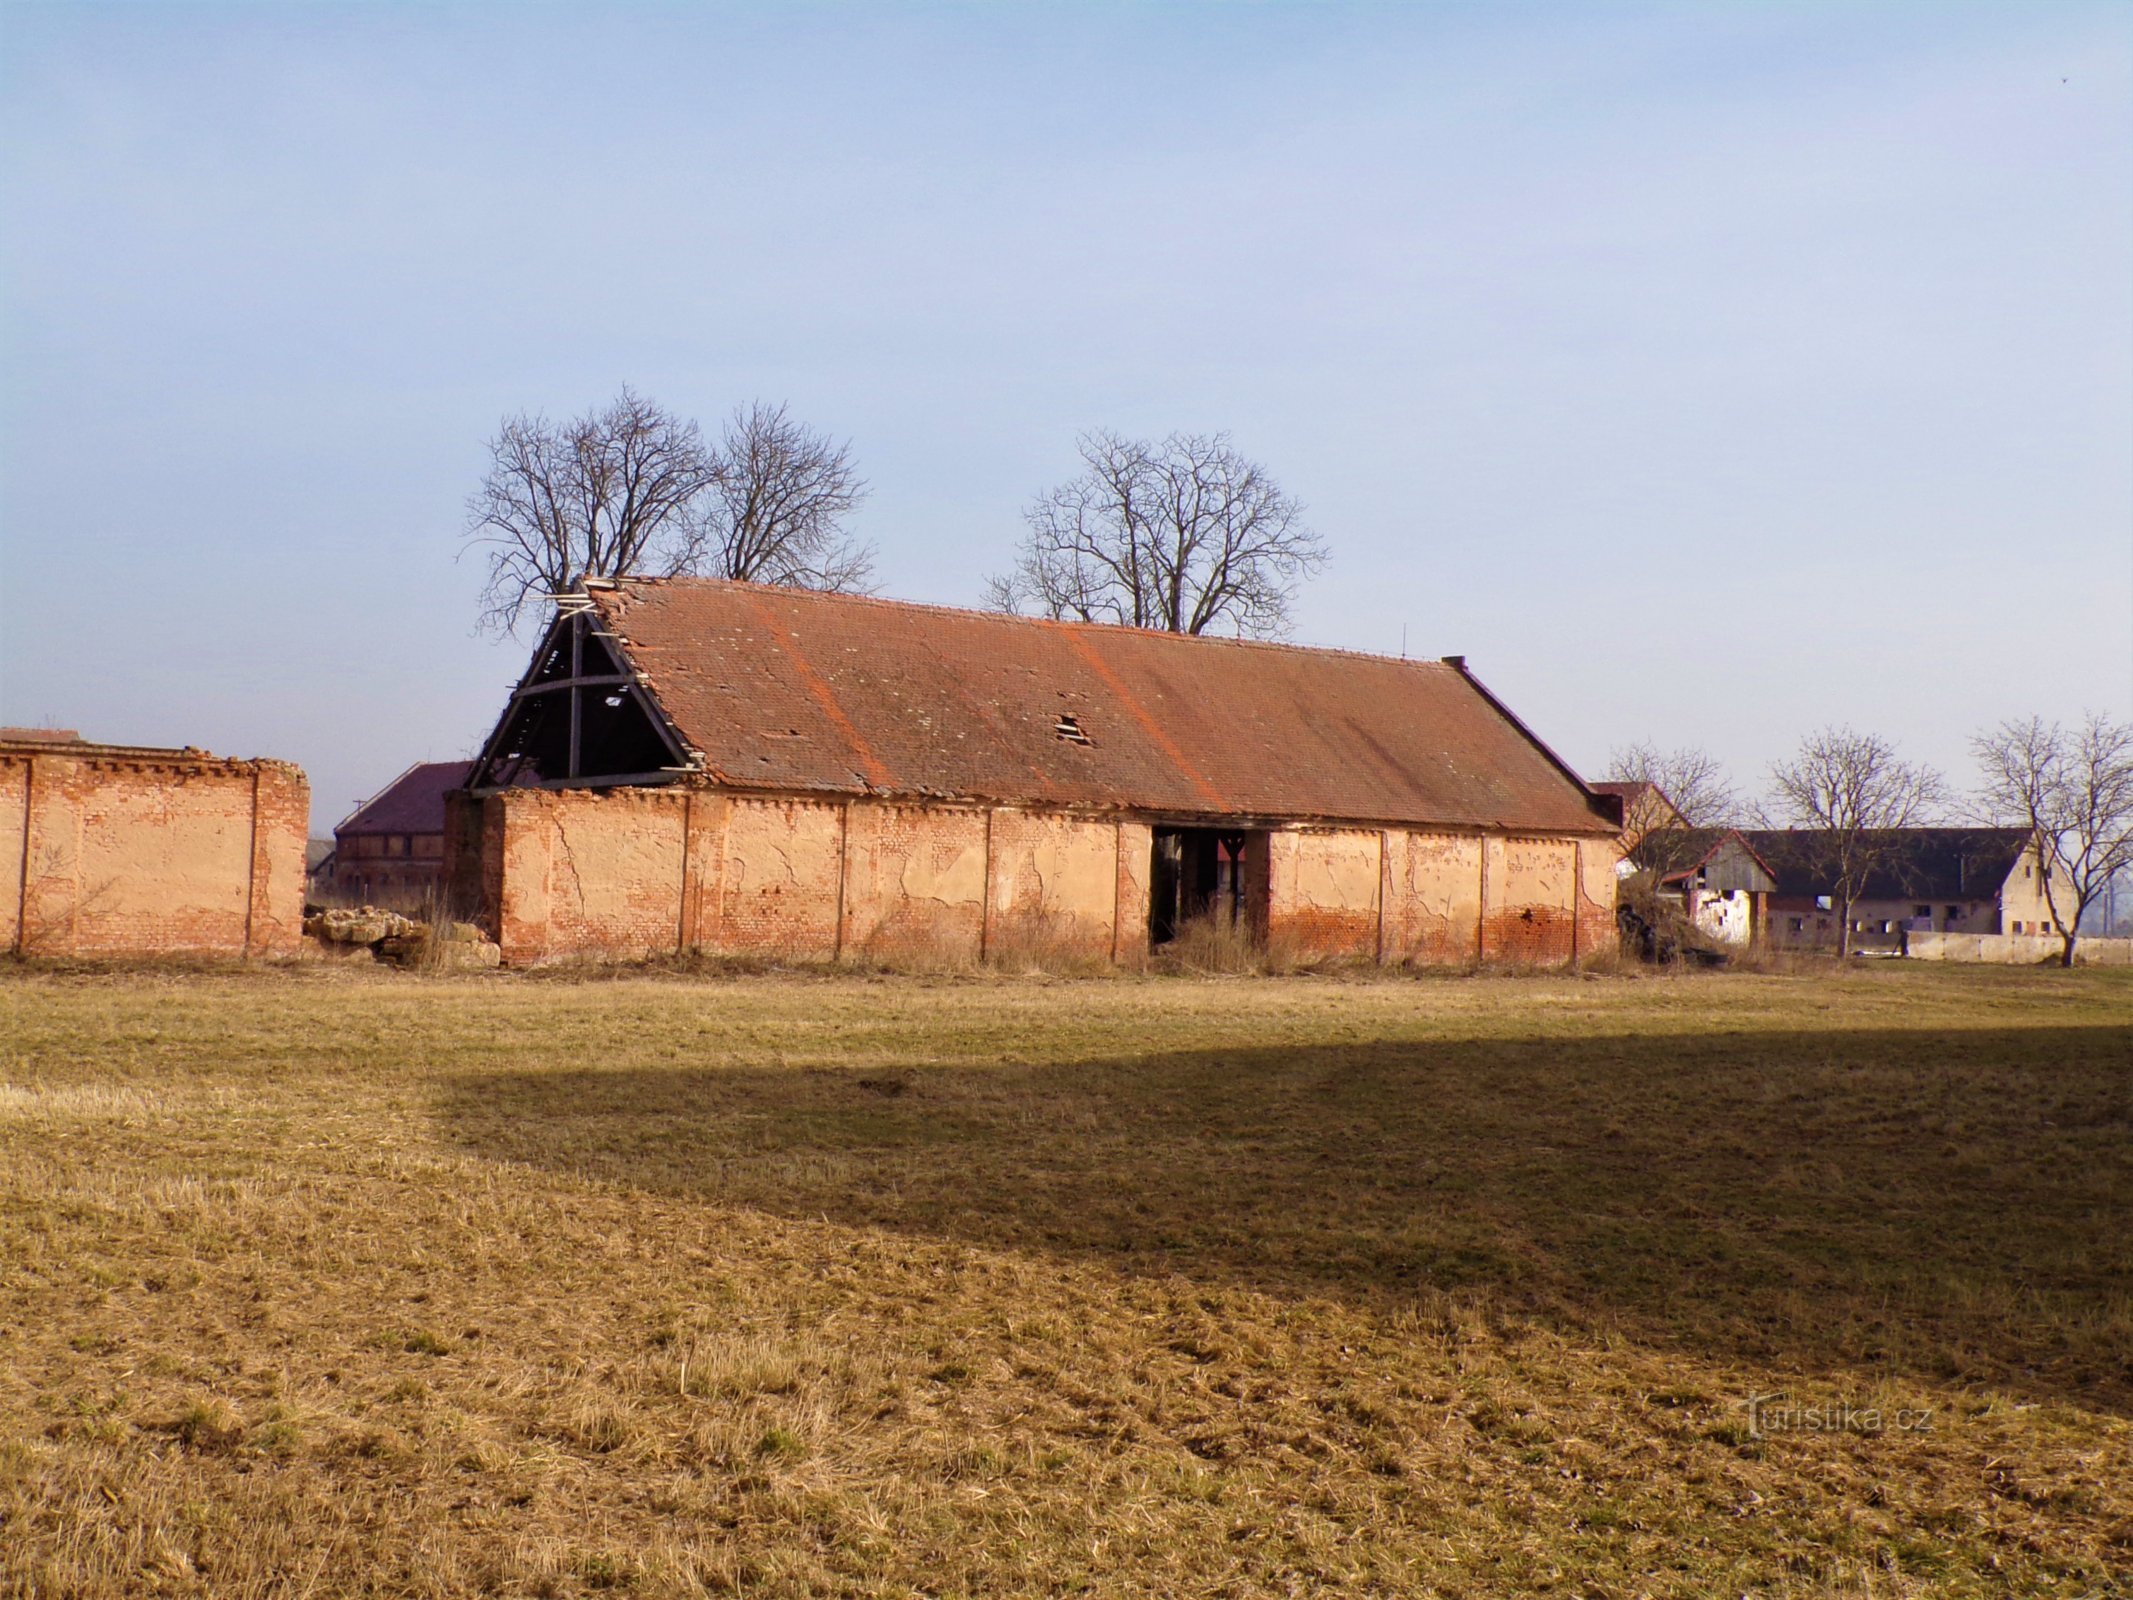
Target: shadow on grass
[{"x": 1954, "y": 1206}]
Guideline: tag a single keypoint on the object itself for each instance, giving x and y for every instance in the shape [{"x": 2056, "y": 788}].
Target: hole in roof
[{"x": 1070, "y": 729}]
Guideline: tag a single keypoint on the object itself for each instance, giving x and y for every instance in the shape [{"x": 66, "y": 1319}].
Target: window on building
[
  {"x": 1799, "y": 924},
  {"x": 1922, "y": 911},
  {"x": 2018, "y": 927},
  {"x": 1955, "y": 913}
]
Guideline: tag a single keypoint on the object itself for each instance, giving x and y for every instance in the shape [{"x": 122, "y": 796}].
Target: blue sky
[{"x": 1703, "y": 373}]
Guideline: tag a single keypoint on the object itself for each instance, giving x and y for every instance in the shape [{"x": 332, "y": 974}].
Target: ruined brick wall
[
  {"x": 780, "y": 880},
  {"x": 629, "y": 872},
  {"x": 1136, "y": 859},
  {"x": 583, "y": 871},
  {"x": 1527, "y": 918},
  {"x": 1598, "y": 882},
  {"x": 914, "y": 881},
  {"x": 125, "y": 853}
]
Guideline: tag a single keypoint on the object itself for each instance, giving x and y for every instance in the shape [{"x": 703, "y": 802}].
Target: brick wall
[
  {"x": 125, "y": 853},
  {"x": 627, "y": 872},
  {"x": 1442, "y": 899},
  {"x": 1434, "y": 916}
]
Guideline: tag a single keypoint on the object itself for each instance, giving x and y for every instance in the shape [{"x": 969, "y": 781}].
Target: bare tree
[
  {"x": 1184, "y": 534},
  {"x": 775, "y": 506},
  {"x": 1849, "y": 790},
  {"x": 2073, "y": 789},
  {"x": 611, "y": 492},
  {"x": 1696, "y": 790}
]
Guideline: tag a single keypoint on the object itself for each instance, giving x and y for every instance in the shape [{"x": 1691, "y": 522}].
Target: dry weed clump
[{"x": 365, "y": 1282}]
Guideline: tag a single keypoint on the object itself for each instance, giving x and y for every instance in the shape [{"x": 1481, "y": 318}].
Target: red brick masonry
[
  {"x": 119, "y": 850},
  {"x": 636, "y": 871}
]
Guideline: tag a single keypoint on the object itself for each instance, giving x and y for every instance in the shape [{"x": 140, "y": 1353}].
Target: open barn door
[{"x": 1211, "y": 874}]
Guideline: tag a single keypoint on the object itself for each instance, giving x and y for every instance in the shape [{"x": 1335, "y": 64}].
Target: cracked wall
[{"x": 630, "y": 872}]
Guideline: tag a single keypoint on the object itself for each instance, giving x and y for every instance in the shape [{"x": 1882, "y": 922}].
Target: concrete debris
[
  {"x": 456, "y": 947},
  {"x": 402, "y": 941},
  {"x": 365, "y": 925}
]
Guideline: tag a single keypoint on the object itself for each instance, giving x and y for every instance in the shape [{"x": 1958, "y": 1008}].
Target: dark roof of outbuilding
[
  {"x": 411, "y": 803},
  {"x": 787, "y": 689},
  {"x": 1916, "y": 863}
]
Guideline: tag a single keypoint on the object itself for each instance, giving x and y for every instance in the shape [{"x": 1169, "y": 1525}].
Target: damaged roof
[
  {"x": 794, "y": 690},
  {"x": 1677, "y": 852}
]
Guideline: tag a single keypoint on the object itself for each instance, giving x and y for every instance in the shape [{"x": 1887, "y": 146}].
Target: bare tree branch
[
  {"x": 632, "y": 489},
  {"x": 2073, "y": 788},
  {"x": 1849, "y": 790},
  {"x": 608, "y": 493},
  {"x": 1694, "y": 785},
  {"x": 1184, "y": 535},
  {"x": 776, "y": 505}
]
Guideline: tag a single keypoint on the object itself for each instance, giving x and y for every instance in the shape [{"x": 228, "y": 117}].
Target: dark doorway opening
[{"x": 1214, "y": 874}]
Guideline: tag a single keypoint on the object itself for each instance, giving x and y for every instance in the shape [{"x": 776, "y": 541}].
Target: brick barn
[
  {"x": 127, "y": 850},
  {"x": 695, "y": 765}
]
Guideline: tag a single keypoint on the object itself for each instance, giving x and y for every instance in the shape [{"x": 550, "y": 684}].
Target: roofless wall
[{"x": 117, "y": 850}]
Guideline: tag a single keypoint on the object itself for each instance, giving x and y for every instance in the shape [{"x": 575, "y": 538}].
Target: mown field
[{"x": 319, "y": 1282}]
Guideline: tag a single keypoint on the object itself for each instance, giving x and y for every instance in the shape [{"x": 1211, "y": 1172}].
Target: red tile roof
[
  {"x": 787, "y": 689},
  {"x": 411, "y": 803}
]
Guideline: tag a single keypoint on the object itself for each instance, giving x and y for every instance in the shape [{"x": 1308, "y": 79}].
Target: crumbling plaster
[{"x": 636, "y": 871}]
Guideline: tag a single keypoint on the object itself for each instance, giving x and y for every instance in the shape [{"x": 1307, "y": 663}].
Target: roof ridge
[{"x": 1436, "y": 663}]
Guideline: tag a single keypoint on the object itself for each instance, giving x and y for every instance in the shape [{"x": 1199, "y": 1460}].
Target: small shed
[{"x": 1723, "y": 884}]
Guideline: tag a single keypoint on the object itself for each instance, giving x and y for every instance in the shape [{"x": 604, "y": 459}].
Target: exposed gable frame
[{"x": 581, "y": 717}]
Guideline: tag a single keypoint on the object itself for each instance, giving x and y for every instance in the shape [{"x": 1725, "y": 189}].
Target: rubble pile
[{"x": 388, "y": 936}]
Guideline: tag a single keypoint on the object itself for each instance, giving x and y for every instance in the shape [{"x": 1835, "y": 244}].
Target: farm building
[
  {"x": 698, "y": 765},
  {"x": 1646, "y": 810},
  {"x": 390, "y": 849},
  {"x": 1925, "y": 880},
  {"x": 1722, "y": 885},
  {"x": 124, "y": 850}
]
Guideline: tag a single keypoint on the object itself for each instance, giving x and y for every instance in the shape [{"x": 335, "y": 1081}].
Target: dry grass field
[{"x": 320, "y": 1282}]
